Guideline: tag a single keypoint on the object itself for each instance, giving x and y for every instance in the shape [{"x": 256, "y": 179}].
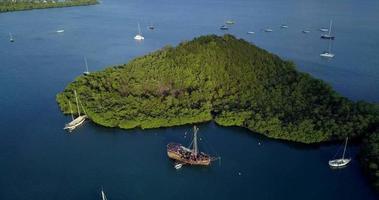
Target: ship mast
[
  {"x": 195, "y": 148},
  {"x": 72, "y": 116},
  {"x": 344, "y": 149},
  {"x": 77, "y": 104}
]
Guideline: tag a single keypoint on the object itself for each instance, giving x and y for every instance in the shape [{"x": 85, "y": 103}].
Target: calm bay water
[{"x": 38, "y": 160}]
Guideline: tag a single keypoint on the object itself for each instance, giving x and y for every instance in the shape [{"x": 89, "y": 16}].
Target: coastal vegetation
[
  {"x": 232, "y": 82},
  {"x": 18, "y": 5},
  {"x": 370, "y": 157},
  {"x": 224, "y": 79}
]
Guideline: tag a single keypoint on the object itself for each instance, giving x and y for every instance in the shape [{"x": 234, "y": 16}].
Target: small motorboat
[
  {"x": 250, "y": 32},
  {"x": 229, "y": 22},
  {"x": 151, "y": 27},
  {"x": 224, "y": 28},
  {"x": 178, "y": 165},
  {"x": 306, "y": 31},
  {"x": 283, "y": 26},
  {"x": 324, "y": 29},
  {"x": 327, "y": 55},
  {"x": 268, "y": 30},
  {"x": 60, "y": 31}
]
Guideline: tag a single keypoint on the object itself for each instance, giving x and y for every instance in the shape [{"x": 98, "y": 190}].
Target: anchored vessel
[
  {"x": 77, "y": 121},
  {"x": 229, "y": 22},
  {"x": 328, "y": 54},
  {"x": 184, "y": 155},
  {"x": 224, "y": 27},
  {"x": 328, "y": 36},
  {"x": 139, "y": 35},
  {"x": 86, "y": 72},
  {"x": 11, "y": 37},
  {"x": 341, "y": 162}
]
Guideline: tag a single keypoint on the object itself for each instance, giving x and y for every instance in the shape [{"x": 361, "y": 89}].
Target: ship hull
[
  {"x": 75, "y": 123},
  {"x": 178, "y": 158},
  {"x": 181, "y": 154}
]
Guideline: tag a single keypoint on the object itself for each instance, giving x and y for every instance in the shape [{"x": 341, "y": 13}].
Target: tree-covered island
[
  {"x": 224, "y": 79},
  {"x": 18, "y": 5}
]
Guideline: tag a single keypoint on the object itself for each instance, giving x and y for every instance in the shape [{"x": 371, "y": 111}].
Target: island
[
  {"x": 224, "y": 79},
  {"x": 19, "y": 5}
]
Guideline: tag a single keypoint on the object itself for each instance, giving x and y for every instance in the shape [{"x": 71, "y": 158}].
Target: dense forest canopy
[
  {"x": 224, "y": 79},
  {"x": 18, "y": 5}
]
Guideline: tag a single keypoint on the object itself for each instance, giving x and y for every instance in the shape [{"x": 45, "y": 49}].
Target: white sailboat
[
  {"x": 139, "y": 35},
  {"x": 103, "y": 197},
  {"x": 86, "y": 72},
  {"x": 11, "y": 37},
  {"x": 341, "y": 162},
  {"x": 328, "y": 54},
  {"x": 328, "y": 36},
  {"x": 77, "y": 121}
]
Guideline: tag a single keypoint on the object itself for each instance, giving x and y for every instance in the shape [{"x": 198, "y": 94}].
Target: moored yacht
[
  {"x": 328, "y": 54},
  {"x": 183, "y": 155},
  {"x": 139, "y": 35},
  {"x": 86, "y": 72},
  {"x": 224, "y": 27},
  {"x": 78, "y": 120},
  {"x": 11, "y": 37},
  {"x": 328, "y": 35},
  {"x": 341, "y": 162}
]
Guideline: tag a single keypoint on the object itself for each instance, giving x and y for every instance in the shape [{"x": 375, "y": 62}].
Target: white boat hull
[
  {"x": 75, "y": 123},
  {"x": 327, "y": 55},
  {"x": 139, "y": 37},
  {"x": 337, "y": 163}
]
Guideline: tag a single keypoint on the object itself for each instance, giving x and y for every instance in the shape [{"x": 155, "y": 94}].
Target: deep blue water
[{"x": 38, "y": 160}]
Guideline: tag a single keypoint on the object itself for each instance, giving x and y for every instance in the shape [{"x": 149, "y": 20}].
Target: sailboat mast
[
  {"x": 72, "y": 116},
  {"x": 330, "y": 27},
  {"x": 77, "y": 104},
  {"x": 85, "y": 61},
  {"x": 330, "y": 46},
  {"x": 139, "y": 29},
  {"x": 344, "y": 149},
  {"x": 195, "y": 148}
]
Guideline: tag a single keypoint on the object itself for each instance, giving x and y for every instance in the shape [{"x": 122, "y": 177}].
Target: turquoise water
[{"x": 38, "y": 160}]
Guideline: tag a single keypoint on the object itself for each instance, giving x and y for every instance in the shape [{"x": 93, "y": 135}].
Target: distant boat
[
  {"x": 139, "y": 35},
  {"x": 103, "y": 197},
  {"x": 268, "y": 30},
  {"x": 306, "y": 31},
  {"x": 178, "y": 165},
  {"x": 328, "y": 54},
  {"x": 86, "y": 72},
  {"x": 328, "y": 36},
  {"x": 184, "y": 155},
  {"x": 283, "y": 26},
  {"x": 77, "y": 121},
  {"x": 11, "y": 37},
  {"x": 324, "y": 29},
  {"x": 224, "y": 27},
  {"x": 229, "y": 22},
  {"x": 341, "y": 162},
  {"x": 151, "y": 27},
  {"x": 60, "y": 31},
  {"x": 250, "y": 32}
]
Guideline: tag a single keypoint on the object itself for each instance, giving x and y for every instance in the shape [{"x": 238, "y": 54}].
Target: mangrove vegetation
[
  {"x": 18, "y": 5},
  {"x": 224, "y": 79}
]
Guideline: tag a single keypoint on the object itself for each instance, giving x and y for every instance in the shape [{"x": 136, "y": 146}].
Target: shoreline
[{"x": 6, "y": 7}]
